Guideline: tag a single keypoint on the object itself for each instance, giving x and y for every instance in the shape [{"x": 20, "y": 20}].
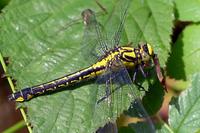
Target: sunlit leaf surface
[{"x": 43, "y": 40}]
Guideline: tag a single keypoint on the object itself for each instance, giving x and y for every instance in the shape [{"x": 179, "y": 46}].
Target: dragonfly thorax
[
  {"x": 134, "y": 56},
  {"x": 146, "y": 52},
  {"x": 128, "y": 56}
]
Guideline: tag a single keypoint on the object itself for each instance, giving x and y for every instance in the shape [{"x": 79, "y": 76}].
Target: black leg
[
  {"x": 108, "y": 92},
  {"x": 140, "y": 87},
  {"x": 142, "y": 71},
  {"x": 102, "y": 99}
]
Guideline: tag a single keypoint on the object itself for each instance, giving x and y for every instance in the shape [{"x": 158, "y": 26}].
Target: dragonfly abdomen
[{"x": 79, "y": 76}]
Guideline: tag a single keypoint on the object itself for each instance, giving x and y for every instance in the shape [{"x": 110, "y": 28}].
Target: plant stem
[
  {"x": 13, "y": 90},
  {"x": 15, "y": 127}
]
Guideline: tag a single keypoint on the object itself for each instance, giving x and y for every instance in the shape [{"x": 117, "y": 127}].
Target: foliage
[{"x": 43, "y": 39}]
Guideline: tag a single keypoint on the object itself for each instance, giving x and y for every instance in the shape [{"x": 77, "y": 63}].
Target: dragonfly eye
[
  {"x": 148, "y": 49},
  {"x": 88, "y": 16}
]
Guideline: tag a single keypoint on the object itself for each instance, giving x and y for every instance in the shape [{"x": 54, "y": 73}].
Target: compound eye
[
  {"x": 150, "y": 49},
  {"x": 145, "y": 48}
]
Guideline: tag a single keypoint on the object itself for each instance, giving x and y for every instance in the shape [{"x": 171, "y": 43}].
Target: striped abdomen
[
  {"x": 28, "y": 93},
  {"x": 130, "y": 57}
]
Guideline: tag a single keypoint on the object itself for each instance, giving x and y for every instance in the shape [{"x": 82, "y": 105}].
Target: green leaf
[
  {"x": 184, "y": 60},
  {"x": 151, "y": 22},
  {"x": 125, "y": 130},
  {"x": 164, "y": 129},
  {"x": 189, "y": 10},
  {"x": 187, "y": 118},
  {"x": 43, "y": 40}
]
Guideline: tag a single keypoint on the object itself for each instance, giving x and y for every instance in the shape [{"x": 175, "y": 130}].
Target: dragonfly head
[
  {"x": 146, "y": 52},
  {"x": 88, "y": 17}
]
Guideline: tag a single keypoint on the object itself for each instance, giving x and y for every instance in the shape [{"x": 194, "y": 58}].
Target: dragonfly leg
[
  {"x": 102, "y": 99},
  {"x": 142, "y": 71},
  {"x": 108, "y": 92},
  {"x": 135, "y": 74},
  {"x": 140, "y": 87}
]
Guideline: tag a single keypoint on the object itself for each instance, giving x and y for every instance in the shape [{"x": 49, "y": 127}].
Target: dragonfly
[{"x": 111, "y": 67}]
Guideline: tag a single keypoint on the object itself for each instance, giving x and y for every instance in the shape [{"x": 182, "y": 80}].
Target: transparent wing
[
  {"x": 94, "y": 41},
  {"x": 115, "y": 23},
  {"x": 120, "y": 93},
  {"x": 97, "y": 40}
]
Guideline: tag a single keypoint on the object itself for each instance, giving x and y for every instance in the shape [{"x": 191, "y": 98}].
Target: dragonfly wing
[
  {"x": 94, "y": 41},
  {"x": 122, "y": 94},
  {"x": 115, "y": 23}
]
